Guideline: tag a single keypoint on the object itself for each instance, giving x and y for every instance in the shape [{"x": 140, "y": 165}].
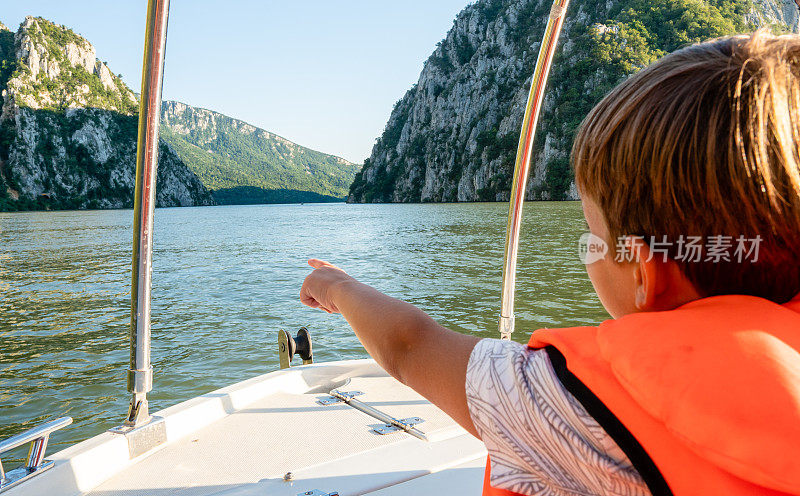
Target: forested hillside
[
  {"x": 453, "y": 136},
  {"x": 243, "y": 164}
]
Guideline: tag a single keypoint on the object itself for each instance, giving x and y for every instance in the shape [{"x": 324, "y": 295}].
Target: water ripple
[{"x": 226, "y": 279}]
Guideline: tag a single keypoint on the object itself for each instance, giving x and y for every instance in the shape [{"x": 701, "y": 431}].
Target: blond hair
[{"x": 705, "y": 143}]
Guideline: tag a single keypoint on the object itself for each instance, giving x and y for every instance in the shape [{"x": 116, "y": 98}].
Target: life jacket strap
[{"x": 638, "y": 456}]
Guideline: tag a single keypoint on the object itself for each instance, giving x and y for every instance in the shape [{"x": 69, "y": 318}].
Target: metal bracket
[
  {"x": 141, "y": 380},
  {"x": 389, "y": 422},
  {"x": 36, "y": 464},
  {"x": 335, "y": 400},
  {"x": 138, "y": 413},
  {"x": 21, "y": 474},
  {"x": 317, "y": 492},
  {"x": 143, "y": 438},
  {"x": 402, "y": 425},
  {"x": 506, "y": 327}
]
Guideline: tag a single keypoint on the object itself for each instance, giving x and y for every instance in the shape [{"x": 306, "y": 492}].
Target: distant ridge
[
  {"x": 68, "y": 130},
  {"x": 243, "y": 164}
]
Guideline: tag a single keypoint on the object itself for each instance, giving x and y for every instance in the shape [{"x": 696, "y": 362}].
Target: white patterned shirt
[{"x": 541, "y": 440}]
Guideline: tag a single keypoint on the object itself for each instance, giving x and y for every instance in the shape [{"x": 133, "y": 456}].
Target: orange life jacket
[{"x": 704, "y": 399}]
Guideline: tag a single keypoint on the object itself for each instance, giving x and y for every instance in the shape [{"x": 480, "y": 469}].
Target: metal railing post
[
  {"x": 140, "y": 374},
  {"x": 523, "y": 163}
]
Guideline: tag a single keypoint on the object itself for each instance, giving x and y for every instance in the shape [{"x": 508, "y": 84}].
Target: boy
[{"x": 690, "y": 172}]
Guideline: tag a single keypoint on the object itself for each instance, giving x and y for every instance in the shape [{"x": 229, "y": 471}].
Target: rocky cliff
[
  {"x": 453, "y": 136},
  {"x": 244, "y": 164},
  {"x": 68, "y": 128}
]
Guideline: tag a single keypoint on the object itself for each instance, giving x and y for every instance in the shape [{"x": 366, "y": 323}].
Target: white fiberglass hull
[{"x": 243, "y": 439}]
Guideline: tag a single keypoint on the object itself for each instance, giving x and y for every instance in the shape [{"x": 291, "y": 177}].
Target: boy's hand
[
  {"x": 398, "y": 336},
  {"x": 316, "y": 290}
]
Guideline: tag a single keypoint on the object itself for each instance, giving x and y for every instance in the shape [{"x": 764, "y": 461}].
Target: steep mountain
[
  {"x": 243, "y": 164},
  {"x": 453, "y": 136},
  {"x": 68, "y": 128}
]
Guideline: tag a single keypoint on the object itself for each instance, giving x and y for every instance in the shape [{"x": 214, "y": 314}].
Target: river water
[{"x": 226, "y": 279}]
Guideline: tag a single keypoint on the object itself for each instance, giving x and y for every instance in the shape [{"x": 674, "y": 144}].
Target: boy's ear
[
  {"x": 659, "y": 283},
  {"x": 648, "y": 275}
]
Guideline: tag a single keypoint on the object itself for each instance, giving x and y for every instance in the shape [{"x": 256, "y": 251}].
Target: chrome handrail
[
  {"x": 523, "y": 163},
  {"x": 140, "y": 374},
  {"x": 38, "y": 437}
]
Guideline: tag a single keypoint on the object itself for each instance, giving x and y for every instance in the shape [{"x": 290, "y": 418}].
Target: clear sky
[{"x": 322, "y": 73}]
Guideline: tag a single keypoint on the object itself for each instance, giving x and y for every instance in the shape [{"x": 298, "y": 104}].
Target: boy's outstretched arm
[{"x": 403, "y": 339}]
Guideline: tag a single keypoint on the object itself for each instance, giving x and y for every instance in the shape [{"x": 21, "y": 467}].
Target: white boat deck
[{"x": 243, "y": 439}]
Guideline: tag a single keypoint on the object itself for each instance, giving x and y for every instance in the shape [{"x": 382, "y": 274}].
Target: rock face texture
[
  {"x": 784, "y": 12},
  {"x": 68, "y": 128},
  {"x": 453, "y": 136}
]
